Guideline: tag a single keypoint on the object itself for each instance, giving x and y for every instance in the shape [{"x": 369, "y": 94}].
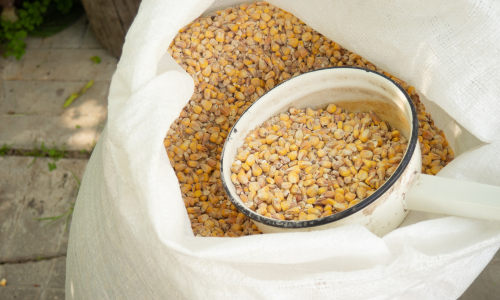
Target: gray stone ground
[
  {"x": 34, "y": 89},
  {"x": 33, "y": 252},
  {"x": 32, "y": 92}
]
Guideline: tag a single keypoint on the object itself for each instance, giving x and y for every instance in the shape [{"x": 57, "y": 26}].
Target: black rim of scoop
[{"x": 345, "y": 213}]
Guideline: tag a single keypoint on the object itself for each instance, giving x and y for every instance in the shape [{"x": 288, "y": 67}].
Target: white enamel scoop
[{"x": 361, "y": 90}]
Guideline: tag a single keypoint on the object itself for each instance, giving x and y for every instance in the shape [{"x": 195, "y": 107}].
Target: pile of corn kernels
[
  {"x": 308, "y": 164},
  {"x": 234, "y": 56}
]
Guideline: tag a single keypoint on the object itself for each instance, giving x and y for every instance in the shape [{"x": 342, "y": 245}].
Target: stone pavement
[
  {"x": 33, "y": 252},
  {"x": 34, "y": 89},
  {"x": 32, "y": 92}
]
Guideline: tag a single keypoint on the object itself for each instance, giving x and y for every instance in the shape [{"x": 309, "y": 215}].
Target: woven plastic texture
[{"x": 130, "y": 235}]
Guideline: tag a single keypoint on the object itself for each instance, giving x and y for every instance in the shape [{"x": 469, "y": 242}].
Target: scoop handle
[{"x": 454, "y": 197}]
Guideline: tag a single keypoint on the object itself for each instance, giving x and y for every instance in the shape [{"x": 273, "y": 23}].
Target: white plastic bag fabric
[{"x": 131, "y": 237}]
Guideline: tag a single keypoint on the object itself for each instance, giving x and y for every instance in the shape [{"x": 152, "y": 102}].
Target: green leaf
[
  {"x": 70, "y": 100},
  {"x": 21, "y": 34},
  {"x": 53, "y": 219},
  {"x": 52, "y": 166},
  {"x": 5, "y": 149},
  {"x": 78, "y": 126},
  {"x": 87, "y": 86},
  {"x": 32, "y": 162},
  {"x": 45, "y": 16},
  {"x": 96, "y": 59},
  {"x": 76, "y": 178},
  {"x": 76, "y": 95}
]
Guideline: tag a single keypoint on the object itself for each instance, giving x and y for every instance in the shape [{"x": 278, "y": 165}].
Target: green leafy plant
[
  {"x": 70, "y": 210},
  {"x": 30, "y": 16},
  {"x": 96, "y": 59},
  {"x": 55, "y": 153},
  {"x": 85, "y": 151},
  {"x": 5, "y": 149}
]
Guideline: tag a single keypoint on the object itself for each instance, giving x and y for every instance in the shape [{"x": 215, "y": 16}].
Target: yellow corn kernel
[
  {"x": 294, "y": 211},
  {"x": 341, "y": 206},
  {"x": 293, "y": 177},
  {"x": 322, "y": 190},
  {"x": 311, "y": 217},
  {"x": 350, "y": 196},
  {"x": 435, "y": 169},
  {"x": 207, "y": 105},
  {"x": 365, "y": 135},
  {"x": 312, "y": 191}
]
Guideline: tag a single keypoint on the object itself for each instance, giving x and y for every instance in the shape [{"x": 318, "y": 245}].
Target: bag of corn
[{"x": 131, "y": 237}]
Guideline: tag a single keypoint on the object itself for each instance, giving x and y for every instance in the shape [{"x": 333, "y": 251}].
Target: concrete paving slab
[
  {"x": 15, "y": 179},
  {"x": 29, "y": 274},
  {"x": 71, "y": 37},
  {"x": 53, "y": 294},
  {"x": 2, "y": 91},
  {"x": 43, "y": 279},
  {"x": 60, "y": 64},
  {"x": 9, "y": 211},
  {"x": 50, "y": 194},
  {"x": 25, "y": 242},
  {"x": 75, "y": 133},
  {"x": 34, "y": 88},
  {"x": 38, "y": 114},
  {"x": 58, "y": 276},
  {"x": 33, "y": 42},
  {"x": 90, "y": 41},
  {"x": 46, "y": 98},
  {"x": 19, "y": 293}
]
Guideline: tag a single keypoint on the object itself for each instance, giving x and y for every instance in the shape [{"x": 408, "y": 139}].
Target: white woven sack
[{"x": 131, "y": 237}]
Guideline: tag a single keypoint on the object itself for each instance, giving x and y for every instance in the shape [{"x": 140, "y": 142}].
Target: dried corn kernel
[
  {"x": 326, "y": 156},
  {"x": 273, "y": 46}
]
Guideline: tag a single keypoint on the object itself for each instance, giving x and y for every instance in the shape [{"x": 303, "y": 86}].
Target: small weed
[
  {"x": 55, "y": 153},
  {"x": 66, "y": 214},
  {"x": 52, "y": 166},
  {"x": 5, "y": 149},
  {"x": 77, "y": 180},
  {"x": 85, "y": 151},
  {"x": 96, "y": 59},
  {"x": 78, "y": 126}
]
